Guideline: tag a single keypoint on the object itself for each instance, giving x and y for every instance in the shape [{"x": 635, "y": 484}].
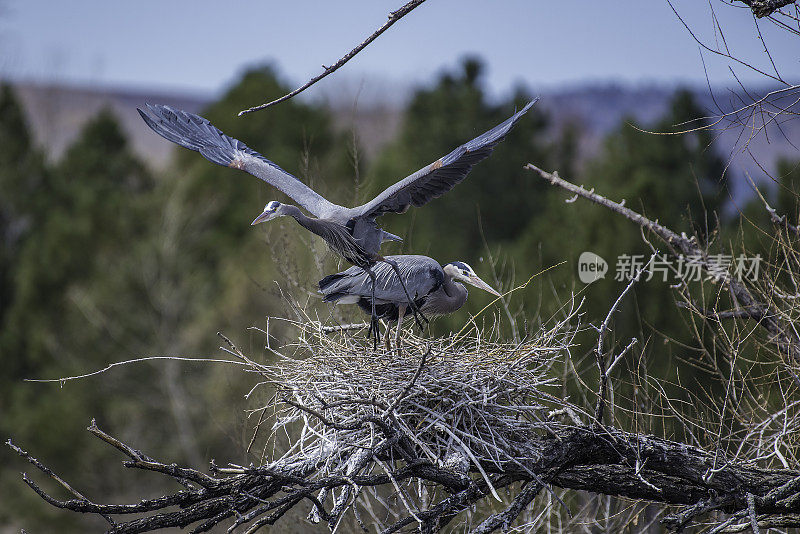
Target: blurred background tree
[
  {"x": 103, "y": 262},
  {"x": 84, "y": 215},
  {"x": 22, "y": 180},
  {"x": 677, "y": 179}
]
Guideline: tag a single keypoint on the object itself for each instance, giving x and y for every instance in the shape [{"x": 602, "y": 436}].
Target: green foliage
[
  {"x": 81, "y": 220},
  {"x": 22, "y": 177},
  {"x": 85, "y": 216},
  {"x": 672, "y": 178}
]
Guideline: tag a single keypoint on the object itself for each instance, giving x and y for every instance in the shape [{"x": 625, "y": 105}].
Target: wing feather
[
  {"x": 434, "y": 180},
  {"x": 198, "y": 134}
]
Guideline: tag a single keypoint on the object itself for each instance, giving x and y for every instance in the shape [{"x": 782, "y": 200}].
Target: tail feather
[
  {"x": 340, "y": 297},
  {"x": 386, "y": 236},
  {"x": 328, "y": 281}
]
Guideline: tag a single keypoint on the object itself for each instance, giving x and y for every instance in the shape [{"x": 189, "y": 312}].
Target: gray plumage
[
  {"x": 434, "y": 288},
  {"x": 363, "y": 237}
]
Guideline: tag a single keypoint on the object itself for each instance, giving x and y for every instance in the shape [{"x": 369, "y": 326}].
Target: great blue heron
[
  {"x": 350, "y": 232},
  {"x": 435, "y": 288}
]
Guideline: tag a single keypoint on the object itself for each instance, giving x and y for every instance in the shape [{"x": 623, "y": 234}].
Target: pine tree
[
  {"x": 22, "y": 181},
  {"x": 82, "y": 223}
]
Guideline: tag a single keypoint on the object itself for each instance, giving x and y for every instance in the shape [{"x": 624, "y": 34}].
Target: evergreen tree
[
  {"x": 675, "y": 179},
  {"x": 82, "y": 222},
  {"x": 22, "y": 180},
  {"x": 85, "y": 210}
]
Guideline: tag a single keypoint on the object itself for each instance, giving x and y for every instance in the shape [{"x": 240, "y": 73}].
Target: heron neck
[
  {"x": 309, "y": 223},
  {"x": 335, "y": 235},
  {"x": 455, "y": 290}
]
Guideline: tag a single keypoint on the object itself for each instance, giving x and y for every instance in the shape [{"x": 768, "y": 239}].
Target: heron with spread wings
[
  {"x": 435, "y": 288},
  {"x": 351, "y": 233}
]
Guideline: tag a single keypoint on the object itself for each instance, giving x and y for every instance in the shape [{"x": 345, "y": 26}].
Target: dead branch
[
  {"x": 438, "y": 429},
  {"x": 504, "y": 519},
  {"x": 570, "y": 457},
  {"x": 394, "y": 16},
  {"x": 782, "y": 334},
  {"x": 778, "y": 220},
  {"x": 600, "y": 352},
  {"x": 765, "y": 8}
]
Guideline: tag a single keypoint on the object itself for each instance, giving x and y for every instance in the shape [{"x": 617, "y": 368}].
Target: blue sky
[{"x": 202, "y": 45}]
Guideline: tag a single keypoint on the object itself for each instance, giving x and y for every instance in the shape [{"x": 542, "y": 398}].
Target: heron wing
[
  {"x": 421, "y": 275},
  {"x": 434, "y": 180},
  {"x": 196, "y": 133}
]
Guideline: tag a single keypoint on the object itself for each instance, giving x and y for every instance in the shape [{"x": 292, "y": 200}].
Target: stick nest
[{"x": 464, "y": 400}]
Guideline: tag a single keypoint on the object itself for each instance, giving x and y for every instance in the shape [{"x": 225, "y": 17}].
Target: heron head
[
  {"x": 271, "y": 210},
  {"x": 458, "y": 270}
]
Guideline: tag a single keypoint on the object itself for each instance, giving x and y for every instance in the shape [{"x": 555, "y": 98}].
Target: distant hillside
[
  {"x": 58, "y": 112},
  {"x": 598, "y": 109}
]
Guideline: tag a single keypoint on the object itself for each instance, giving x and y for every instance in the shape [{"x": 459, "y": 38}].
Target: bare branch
[
  {"x": 394, "y": 16},
  {"x": 783, "y": 335},
  {"x": 504, "y": 519},
  {"x": 778, "y": 220},
  {"x": 765, "y": 8},
  {"x": 599, "y": 351}
]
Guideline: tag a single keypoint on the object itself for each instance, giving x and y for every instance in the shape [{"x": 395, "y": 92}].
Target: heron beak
[
  {"x": 477, "y": 282},
  {"x": 265, "y": 216}
]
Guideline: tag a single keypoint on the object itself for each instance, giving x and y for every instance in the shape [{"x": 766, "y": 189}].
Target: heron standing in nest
[{"x": 436, "y": 289}]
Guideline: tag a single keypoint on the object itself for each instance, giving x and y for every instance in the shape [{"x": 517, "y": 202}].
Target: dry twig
[
  {"x": 394, "y": 16},
  {"x": 786, "y": 339}
]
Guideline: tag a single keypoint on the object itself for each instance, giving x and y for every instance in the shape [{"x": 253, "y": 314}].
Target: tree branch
[
  {"x": 600, "y": 353},
  {"x": 394, "y": 16},
  {"x": 765, "y": 8},
  {"x": 780, "y": 333},
  {"x": 506, "y": 517},
  {"x": 575, "y": 458}
]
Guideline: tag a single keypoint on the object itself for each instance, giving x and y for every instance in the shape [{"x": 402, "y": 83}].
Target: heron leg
[
  {"x": 411, "y": 304},
  {"x": 401, "y": 311},
  {"x": 386, "y": 337},
  {"x": 374, "y": 325},
  {"x": 374, "y": 332}
]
